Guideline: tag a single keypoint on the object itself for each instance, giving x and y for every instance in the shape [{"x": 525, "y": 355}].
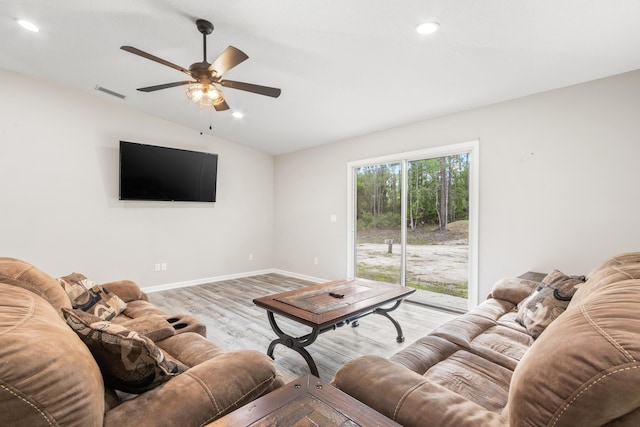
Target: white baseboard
[
  {"x": 299, "y": 276},
  {"x": 185, "y": 284}
]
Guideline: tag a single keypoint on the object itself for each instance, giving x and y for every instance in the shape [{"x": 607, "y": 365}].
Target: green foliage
[
  {"x": 438, "y": 193},
  {"x": 365, "y": 220},
  {"x": 379, "y": 195}
]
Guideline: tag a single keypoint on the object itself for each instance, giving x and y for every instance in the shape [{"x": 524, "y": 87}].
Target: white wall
[
  {"x": 59, "y": 206},
  {"x": 557, "y": 187},
  {"x": 558, "y": 177}
]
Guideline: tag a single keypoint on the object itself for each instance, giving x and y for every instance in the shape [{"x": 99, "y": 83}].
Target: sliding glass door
[{"x": 411, "y": 224}]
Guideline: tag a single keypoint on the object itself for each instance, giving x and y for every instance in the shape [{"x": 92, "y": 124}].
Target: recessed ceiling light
[
  {"x": 28, "y": 25},
  {"x": 427, "y": 28},
  {"x": 237, "y": 114}
]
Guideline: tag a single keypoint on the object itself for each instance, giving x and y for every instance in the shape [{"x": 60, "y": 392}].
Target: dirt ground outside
[{"x": 437, "y": 261}]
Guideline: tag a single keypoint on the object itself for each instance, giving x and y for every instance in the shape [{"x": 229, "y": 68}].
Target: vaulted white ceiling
[{"x": 345, "y": 67}]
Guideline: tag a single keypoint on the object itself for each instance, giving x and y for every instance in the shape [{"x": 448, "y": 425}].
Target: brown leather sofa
[
  {"x": 485, "y": 368},
  {"x": 53, "y": 372}
]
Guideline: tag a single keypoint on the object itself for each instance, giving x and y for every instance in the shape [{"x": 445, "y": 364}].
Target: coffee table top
[
  {"x": 316, "y": 307},
  {"x": 307, "y": 401}
]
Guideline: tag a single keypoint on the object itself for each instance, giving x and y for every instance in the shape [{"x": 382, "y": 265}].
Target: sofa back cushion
[
  {"x": 617, "y": 260},
  {"x": 47, "y": 375},
  {"x": 602, "y": 277},
  {"x": 585, "y": 368},
  {"x": 19, "y": 273}
]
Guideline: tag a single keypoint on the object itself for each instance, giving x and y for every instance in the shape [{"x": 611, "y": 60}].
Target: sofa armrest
[
  {"x": 126, "y": 290},
  {"x": 153, "y": 326},
  {"x": 201, "y": 394},
  {"x": 513, "y": 290},
  {"x": 408, "y": 398}
]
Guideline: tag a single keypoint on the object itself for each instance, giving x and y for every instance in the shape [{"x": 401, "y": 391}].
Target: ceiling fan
[{"x": 203, "y": 89}]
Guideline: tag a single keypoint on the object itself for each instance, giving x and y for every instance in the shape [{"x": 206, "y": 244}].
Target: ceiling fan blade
[
  {"x": 250, "y": 87},
  {"x": 221, "y": 106},
  {"x": 227, "y": 60},
  {"x": 164, "y": 86},
  {"x": 146, "y": 55}
]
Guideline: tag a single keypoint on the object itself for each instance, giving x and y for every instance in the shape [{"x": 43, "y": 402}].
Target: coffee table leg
[
  {"x": 385, "y": 312},
  {"x": 295, "y": 343}
]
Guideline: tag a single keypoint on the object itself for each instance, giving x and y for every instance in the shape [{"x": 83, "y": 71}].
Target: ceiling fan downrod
[{"x": 206, "y": 28}]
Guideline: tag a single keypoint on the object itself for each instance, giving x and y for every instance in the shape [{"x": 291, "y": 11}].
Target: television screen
[{"x": 149, "y": 172}]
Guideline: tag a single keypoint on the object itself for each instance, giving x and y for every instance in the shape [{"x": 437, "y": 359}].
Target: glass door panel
[
  {"x": 437, "y": 242},
  {"x": 379, "y": 222}
]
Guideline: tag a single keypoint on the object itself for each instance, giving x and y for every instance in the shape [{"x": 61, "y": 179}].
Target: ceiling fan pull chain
[{"x": 201, "y": 120}]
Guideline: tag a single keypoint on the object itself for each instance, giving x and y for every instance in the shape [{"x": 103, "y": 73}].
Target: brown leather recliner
[{"x": 48, "y": 376}]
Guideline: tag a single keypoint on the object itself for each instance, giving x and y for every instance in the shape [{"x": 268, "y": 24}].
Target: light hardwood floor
[{"x": 234, "y": 323}]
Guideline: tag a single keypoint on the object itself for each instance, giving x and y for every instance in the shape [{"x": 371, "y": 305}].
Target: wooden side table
[{"x": 305, "y": 402}]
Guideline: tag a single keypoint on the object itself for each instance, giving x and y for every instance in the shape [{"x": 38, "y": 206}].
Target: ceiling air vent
[{"x": 110, "y": 92}]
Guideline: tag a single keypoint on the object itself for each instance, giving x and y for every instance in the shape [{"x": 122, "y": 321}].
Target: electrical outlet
[
  {"x": 157, "y": 267},
  {"x": 250, "y": 257},
  {"x": 315, "y": 261},
  {"x": 163, "y": 267}
]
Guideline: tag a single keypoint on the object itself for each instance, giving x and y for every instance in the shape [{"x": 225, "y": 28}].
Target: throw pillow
[
  {"x": 547, "y": 301},
  {"x": 91, "y": 297},
  {"x": 129, "y": 361}
]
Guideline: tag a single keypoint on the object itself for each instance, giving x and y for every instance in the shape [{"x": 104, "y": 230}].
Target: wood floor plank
[{"x": 235, "y": 323}]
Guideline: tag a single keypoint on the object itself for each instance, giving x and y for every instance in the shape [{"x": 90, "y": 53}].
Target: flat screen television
[{"x": 149, "y": 172}]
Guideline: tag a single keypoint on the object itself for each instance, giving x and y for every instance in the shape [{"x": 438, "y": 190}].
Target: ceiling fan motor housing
[
  {"x": 200, "y": 71},
  {"x": 204, "y": 26}
]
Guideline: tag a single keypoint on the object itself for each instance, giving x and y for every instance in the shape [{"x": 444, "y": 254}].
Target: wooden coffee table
[
  {"x": 326, "y": 306},
  {"x": 305, "y": 402}
]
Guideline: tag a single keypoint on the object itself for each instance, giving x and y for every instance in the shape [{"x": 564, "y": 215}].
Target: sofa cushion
[
  {"x": 608, "y": 274},
  {"x": 424, "y": 353},
  {"x": 88, "y": 296},
  {"x": 190, "y": 348},
  {"x": 48, "y": 377},
  {"x": 616, "y": 261},
  {"x": 474, "y": 377},
  {"x": 20, "y": 273},
  {"x": 408, "y": 398},
  {"x": 547, "y": 301},
  {"x": 129, "y": 361}
]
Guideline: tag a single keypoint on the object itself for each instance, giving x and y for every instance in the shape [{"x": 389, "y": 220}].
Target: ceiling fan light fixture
[{"x": 204, "y": 94}]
